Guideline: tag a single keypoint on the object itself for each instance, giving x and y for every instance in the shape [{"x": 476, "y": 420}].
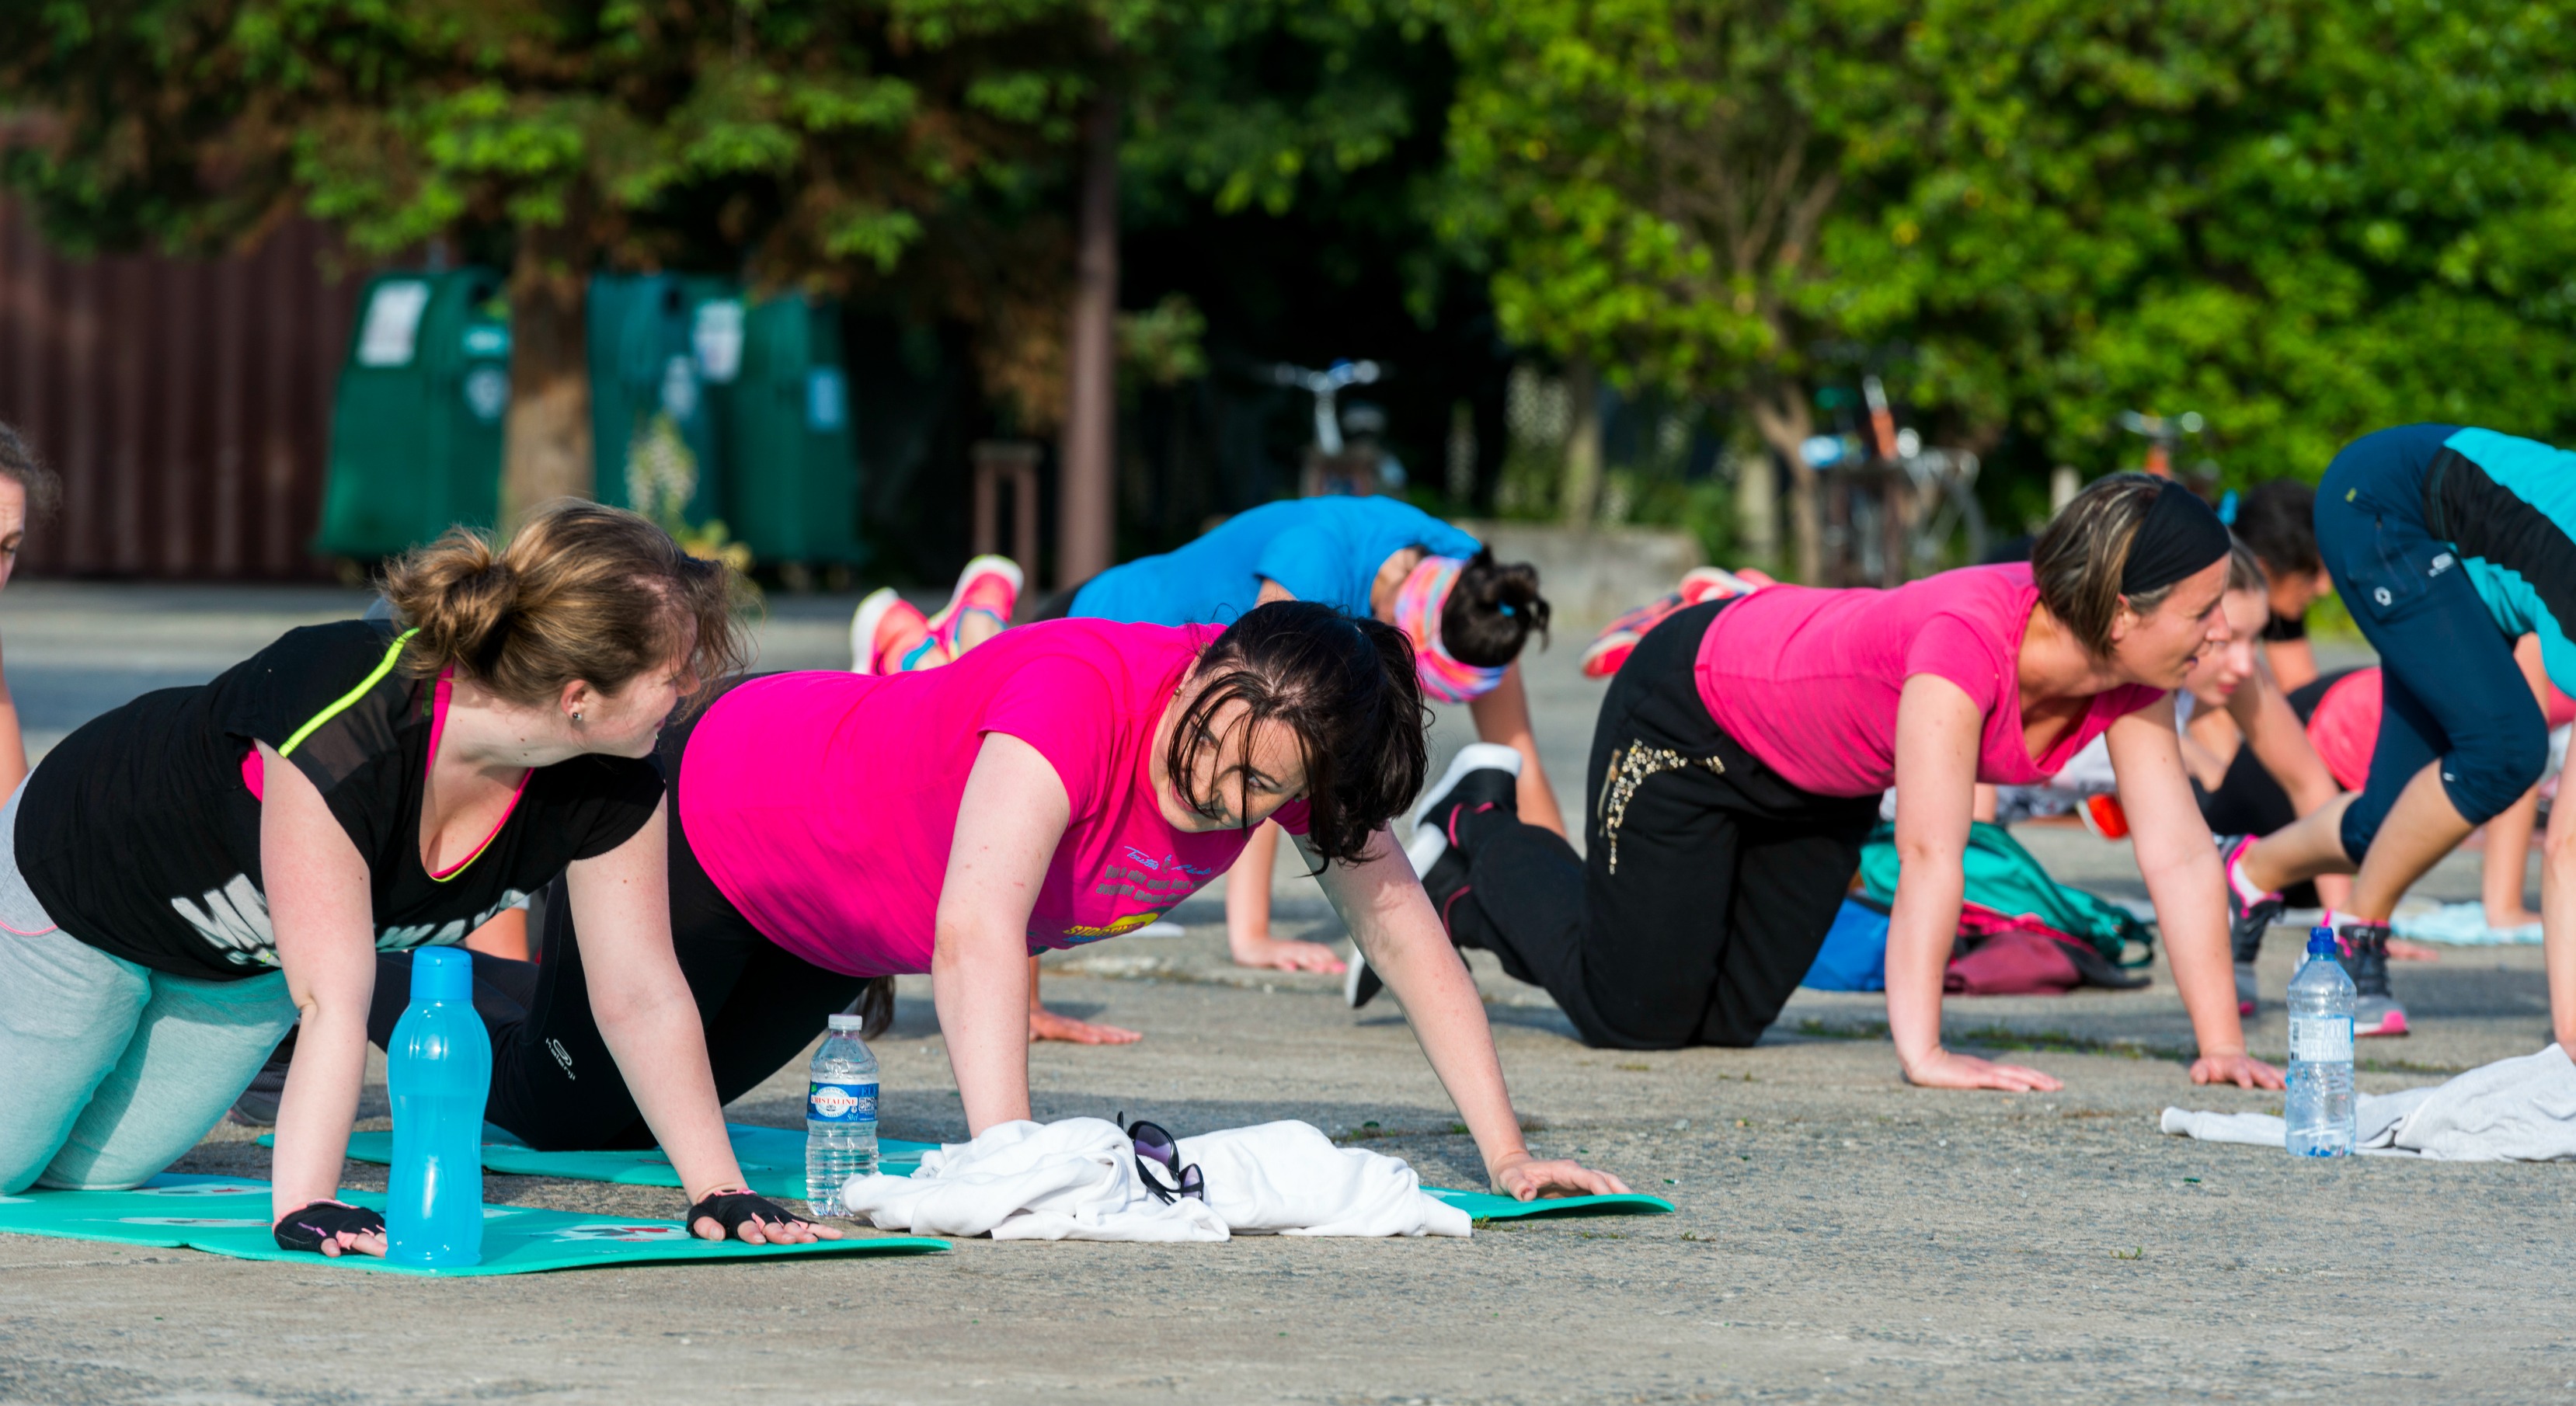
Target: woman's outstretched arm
[
  {"x": 2188, "y": 885},
  {"x": 1009, "y": 822},
  {"x": 1384, "y": 906},
  {"x": 621, "y": 905},
  {"x": 322, "y": 910},
  {"x": 1937, "y": 729}
]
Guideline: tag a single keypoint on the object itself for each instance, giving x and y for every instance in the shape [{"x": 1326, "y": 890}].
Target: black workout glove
[
  {"x": 309, "y": 1227},
  {"x": 735, "y": 1209}
]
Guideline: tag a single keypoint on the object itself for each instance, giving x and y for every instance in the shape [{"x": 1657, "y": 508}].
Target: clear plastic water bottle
[
  {"x": 840, "y": 1116},
  {"x": 439, "y": 1070},
  {"x": 2320, "y": 1112}
]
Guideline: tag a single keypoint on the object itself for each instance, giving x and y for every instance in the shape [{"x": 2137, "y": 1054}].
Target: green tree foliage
[
  {"x": 817, "y": 142},
  {"x": 2303, "y": 220},
  {"x": 1657, "y": 182}
]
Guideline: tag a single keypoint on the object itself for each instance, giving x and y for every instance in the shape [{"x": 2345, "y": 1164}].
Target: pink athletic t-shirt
[
  {"x": 823, "y": 804},
  {"x": 1808, "y": 679}
]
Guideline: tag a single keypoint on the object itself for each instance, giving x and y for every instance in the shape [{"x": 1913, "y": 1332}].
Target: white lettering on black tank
[{"x": 234, "y": 920}]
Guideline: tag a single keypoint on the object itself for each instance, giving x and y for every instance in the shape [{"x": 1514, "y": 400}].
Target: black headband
[{"x": 2180, "y": 537}]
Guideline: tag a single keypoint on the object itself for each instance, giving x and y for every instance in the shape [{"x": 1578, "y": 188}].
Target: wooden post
[
  {"x": 1086, "y": 505},
  {"x": 1014, "y": 460}
]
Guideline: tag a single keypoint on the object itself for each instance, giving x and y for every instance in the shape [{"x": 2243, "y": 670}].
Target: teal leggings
[{"x": 109, "y": 1071}]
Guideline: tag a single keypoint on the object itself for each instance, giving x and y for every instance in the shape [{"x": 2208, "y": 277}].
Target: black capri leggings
[
  {"x": 554, "y": 1082},
  {"x": 1707, "y": 881}
]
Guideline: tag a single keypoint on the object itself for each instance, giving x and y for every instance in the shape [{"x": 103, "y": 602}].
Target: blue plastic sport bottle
[{"x": 439, "y": 1069}]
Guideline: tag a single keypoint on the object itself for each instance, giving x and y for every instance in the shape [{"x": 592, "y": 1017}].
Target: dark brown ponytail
[
  {"x": 580, "y": 591},
  {"x": 1491, "y": 611}
]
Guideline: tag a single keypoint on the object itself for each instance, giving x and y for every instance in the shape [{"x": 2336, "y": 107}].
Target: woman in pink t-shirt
[
  {"x": 1062, "y": 783},
  {"x": 1743, "y": 749}
]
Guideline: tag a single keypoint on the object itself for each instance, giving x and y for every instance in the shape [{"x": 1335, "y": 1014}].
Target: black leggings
[
  {"x": 1707, "y": 881},
  {"x": 760, "y": 1005}
]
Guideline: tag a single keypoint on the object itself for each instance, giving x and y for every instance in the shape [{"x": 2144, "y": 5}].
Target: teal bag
[{"x": 2004, "y": 879}]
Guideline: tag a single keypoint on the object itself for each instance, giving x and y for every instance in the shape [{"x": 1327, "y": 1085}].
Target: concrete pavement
[{"x": 1841, "y": 1236}]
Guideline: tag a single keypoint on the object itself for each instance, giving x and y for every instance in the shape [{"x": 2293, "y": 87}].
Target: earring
[{"x": 576, "y": 719}]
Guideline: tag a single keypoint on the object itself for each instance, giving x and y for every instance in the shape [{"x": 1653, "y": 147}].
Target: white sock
[{"x": 2246, "y": 893}]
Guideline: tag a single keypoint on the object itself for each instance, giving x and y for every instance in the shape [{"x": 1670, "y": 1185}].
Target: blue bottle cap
[
  {"x": 441, "y": 974},
  {"x": 2321, "y": 941}
]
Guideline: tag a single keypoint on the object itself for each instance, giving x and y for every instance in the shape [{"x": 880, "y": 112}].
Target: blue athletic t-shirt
[
  {"x": 2513, "y": 517},
  {"x": 1319, "y": 549}
]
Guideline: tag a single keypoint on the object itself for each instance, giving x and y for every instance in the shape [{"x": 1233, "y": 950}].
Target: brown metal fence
[{"x": 187, "y": 405}]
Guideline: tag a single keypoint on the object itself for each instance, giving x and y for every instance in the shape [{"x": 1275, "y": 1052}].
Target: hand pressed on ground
[
  {"x": 1943, "y": 1070},
  {"x": 1283, "y": 954},
  {"x": 1045, "y": 1024},
  {"x": 2244, "y": 1071},
  {"x": 1523, "y": 1177},
  {"x": 765, "y": 1232},
  {"x": 349, "y": 1242}
]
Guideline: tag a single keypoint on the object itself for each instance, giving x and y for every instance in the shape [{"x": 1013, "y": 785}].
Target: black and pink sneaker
[
  {"x": 2364, "y": 950},
  {"x": 2246, "y": 922}
]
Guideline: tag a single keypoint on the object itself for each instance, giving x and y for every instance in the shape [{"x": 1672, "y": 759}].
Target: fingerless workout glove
[
  {"x": 735, "y": 1209},
  {"x": 308, "y": 1227}
]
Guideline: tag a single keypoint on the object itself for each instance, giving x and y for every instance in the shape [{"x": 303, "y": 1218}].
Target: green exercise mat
[
  {"x": 772, "y": 1159},
  {"x": 229, "y": 1216},
  {"x": 773, "y": 1162}
]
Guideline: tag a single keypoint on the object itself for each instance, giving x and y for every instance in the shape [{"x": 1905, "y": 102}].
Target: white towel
[
  {"x": 1287, "y": 1178},
  {"x": 1076, "y": 1180},
  {"x": 2514, "y": 1110}
]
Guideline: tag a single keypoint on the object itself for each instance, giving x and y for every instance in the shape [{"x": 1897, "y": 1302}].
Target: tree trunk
[
  {"x": 1757, "y": 509},
  {"x": 1580, "y": 497},
  {"x": 1781, "y": 414},
  {"x": 1086, "y": 502},
  {"x": 548, "y": 454}
]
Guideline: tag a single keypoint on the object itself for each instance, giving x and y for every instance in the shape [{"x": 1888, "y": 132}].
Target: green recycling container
[
  {"x": 416, "y": 417},
  {"x": 792, "y": 472},
  {"x": 663, "y": 350}
]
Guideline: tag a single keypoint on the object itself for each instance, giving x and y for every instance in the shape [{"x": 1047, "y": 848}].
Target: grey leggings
[{"x": 112, "y": 1070}]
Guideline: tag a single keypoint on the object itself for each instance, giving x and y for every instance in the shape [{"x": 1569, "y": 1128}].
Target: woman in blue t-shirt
[
  {"x": 1467, "y": 616},
  {"x": 2448, "y": 544}
]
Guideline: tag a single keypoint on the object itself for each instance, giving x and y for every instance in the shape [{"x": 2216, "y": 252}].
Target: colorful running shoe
[
  {"x": 1611, "y": 648},
  {"x": 2248, "y": 995},
  {"x": 888, "y": 635},
  {"x": 990, "y": 587},
  {"x": 2364, "y": 950},
  {"x": 2246, "y": 922}
]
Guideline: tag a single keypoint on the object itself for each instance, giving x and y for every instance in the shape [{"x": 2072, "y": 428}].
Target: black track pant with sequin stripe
[{"x": 1707, "y": 881}]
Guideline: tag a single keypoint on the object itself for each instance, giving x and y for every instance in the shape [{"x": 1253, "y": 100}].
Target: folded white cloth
[
  {"x": 1077, "y": 1180},
  {"x": 2514, "y": 1110}
]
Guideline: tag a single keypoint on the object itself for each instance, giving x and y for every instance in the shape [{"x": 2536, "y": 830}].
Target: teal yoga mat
[
  {"x": 229, "y": 1216},
  {"x": 773, "y": 1162}
]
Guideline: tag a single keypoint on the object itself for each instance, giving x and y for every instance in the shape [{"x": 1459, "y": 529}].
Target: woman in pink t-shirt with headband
[
  {"x": 1062, "y": 783},
  {"x": 1743, "y": 749}
]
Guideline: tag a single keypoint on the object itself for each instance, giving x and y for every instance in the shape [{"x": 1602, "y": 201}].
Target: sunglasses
[{"x": 1156, "y": 1147}]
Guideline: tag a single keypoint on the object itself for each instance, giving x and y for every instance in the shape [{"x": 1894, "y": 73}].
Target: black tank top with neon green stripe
[{"x": 140, "y": 832}]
